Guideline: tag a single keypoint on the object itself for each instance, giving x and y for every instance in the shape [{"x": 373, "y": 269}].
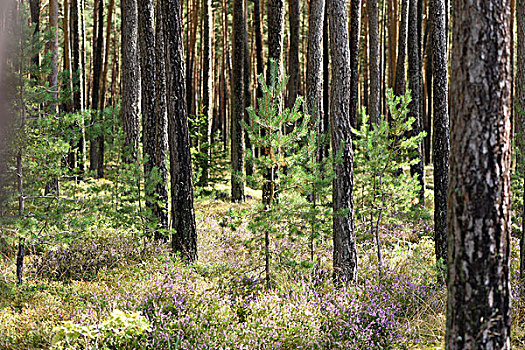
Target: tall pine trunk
[
  {"x": 207, "y": 91},
  {"x": 373, "y": 45},
  {"x": 184, "y": 237},
  {"x": 294, "y": 81},
  {"x": 314, "y": 68},
  {"x": 440, "y": 140},
  {"x": 399, "y": 84},
  {"x": 96, "y": 150},
  {"x": 237, "y": 133},
  {"x": 148, "y": 99},
  {"x": 345, "y": 255},
  {"x": 478, "y": 310},
  {"x": 161, "y": 121},
  {"x": 520, "y": 117},
  {"x": 275, "y": 15},
  {"x": 414, "y": 80},
  {"x": 355, "y": 35},
  {"x": 130, "y": 80}
]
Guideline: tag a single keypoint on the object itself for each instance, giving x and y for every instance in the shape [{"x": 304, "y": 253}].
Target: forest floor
[{"x": 97, "y": 261}]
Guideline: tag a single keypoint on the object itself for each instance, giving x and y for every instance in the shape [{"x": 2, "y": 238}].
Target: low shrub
[{"x": 83, "y": 260}]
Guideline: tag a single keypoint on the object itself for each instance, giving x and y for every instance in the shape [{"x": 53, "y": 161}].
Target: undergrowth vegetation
[{"x": 94, "y": 278}]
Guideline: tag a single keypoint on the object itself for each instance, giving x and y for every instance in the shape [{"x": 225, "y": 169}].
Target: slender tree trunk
[
  {"x": 247, "y": 96},
  {"x": 314, "y": 68},
  {"x": 96, "y": 150},
  {"x": 78, "y": 79},
  {"x": 68, "y": 88},
  {"x": 414, "y": 80},
  {"x": 35, "y": 20},
  {"x": 52, "y": 45},
  {"x": 294, "y": 81},
  {"x": 355, "y": 34},
  {"x": 257, "y": 20},
  {"x": 130, "y": 80},
  {"x": 373, "y": 35},
  {"x": 148, "y": 101},
  {"x": 258, "y": 42},
  {"x": 237, "y": 133},
  {"x": 326, "y": 79},
  {"x": 275, "y": 15},
  {"x": 345, "y": 255},
  {"x": 67, "y": 105},
  {"x": 427, "y": 119},
  {"x": 478, "y": 310},
  {"x": 207, "y": 92},
  {"x": 184, "y": 238},
  {"x": 399, "y": 85},
  {"x": 161, "y": 122},
  {"x": 440, "y": 141},
  {"x": 111, "y": 8}
]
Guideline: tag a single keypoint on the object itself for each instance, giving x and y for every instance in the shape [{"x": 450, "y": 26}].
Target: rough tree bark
[
  {"x": 247, "y": 96},
  {"x": 161, "y": 120},
  {"x": 414, "y": 80},
  {"x": 148, "y": 102},
  {"x": 399, "y": 84},
  {"x": 78, "y": 78},
  {"x": 294, "y": 81},
  {"x": 184, "y": 238},
  {"x": 314, "y": 67},
  {"x": 207, "y": 90},
  {"x": 478, "y": 312},
  {"x": 373, "y": 47},
  {"x": 520, "y": 115},
  {"x": 355, "y": 35},
  {"x": 52, "y": 46},
  {"x": 130, "y": 80},
  {"x": 275, "y": 15},
  {"x": 326, "y": 79},
  {"x": 440, "y": 140},
  {"x": 345, "y": 256},
  {"x": 237, "y": 133},
  {"x": 96, "y": 149}
]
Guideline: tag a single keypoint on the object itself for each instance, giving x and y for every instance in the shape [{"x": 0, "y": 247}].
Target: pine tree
[
  {"x": 345, "y": 255},
  {"x": 184, "y": 238},
  {"x": 478, "y": 310}
]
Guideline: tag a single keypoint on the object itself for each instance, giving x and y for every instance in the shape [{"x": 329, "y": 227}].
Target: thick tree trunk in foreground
[
  {"x": 478, "y": 311},
  {"x": 345, "y": 256},
  {"x": 520, "y": 116},
  {"x": 130, "y": 80},
  {"x": 237, "y": 132},
  {"x": 440, "y": 140},
  {"x": 184, "y": 238}
]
